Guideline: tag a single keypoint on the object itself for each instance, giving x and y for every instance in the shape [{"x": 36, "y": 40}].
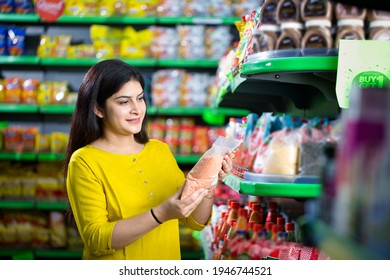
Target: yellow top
[{"x": 104, "y": 187}]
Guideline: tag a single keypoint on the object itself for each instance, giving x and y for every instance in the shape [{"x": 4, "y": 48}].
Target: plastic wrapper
[{"x": 205, "y": 172}]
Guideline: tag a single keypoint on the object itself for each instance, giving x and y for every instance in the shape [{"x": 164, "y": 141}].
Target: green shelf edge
[
  {"x": 17, "y": 204},
  {"x": 60, "y": 254},
  {"x": 287, "y": 64},
  {"x": 17, "y": 254},
  {"x": 18, "y": 108},
  {"x": 193, "y": 63},
  {"x": 273, "y": 189},
  {"x": 56, "y": 109},
  {"x": 51, "y": 205},
  {"x": 206, "y": 20},
  {"x": 30, "y": 156},
  {"x": 281, "y": 189},
  {"x": 50, "y": 157},
  {"x": 90, "y": 61},
  {"x": 9, "y": 17},
  {"x": 19, "y": 60},
  {"x": 107, "y": 20},
  {"x": 17, "y": 156},
  {"x": 187, "y": 159}
]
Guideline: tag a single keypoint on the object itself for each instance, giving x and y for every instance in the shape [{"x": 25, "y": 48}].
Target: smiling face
[{"x": 124, "y": 111}]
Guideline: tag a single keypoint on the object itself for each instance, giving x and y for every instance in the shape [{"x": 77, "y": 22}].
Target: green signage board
[{"x": 362, "y": 64}]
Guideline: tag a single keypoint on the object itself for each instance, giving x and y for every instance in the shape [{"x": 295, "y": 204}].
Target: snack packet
[{"x": 205, "y": 172}]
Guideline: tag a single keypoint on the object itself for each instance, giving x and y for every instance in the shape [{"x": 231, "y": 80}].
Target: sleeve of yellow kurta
[
  {"x": 174, "y": 169},
  {"x": 87, "y": 199}
]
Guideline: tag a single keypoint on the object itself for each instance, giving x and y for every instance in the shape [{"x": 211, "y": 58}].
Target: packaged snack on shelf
[
  {"x": 13, "y": 90},
  {"x": 29, "y": 91},
  {"x": 15, "y": 40},
  {"x": 205, "y": 172}
]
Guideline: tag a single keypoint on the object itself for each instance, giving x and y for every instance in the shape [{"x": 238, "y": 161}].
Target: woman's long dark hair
[{"x": 100, "y": 82}]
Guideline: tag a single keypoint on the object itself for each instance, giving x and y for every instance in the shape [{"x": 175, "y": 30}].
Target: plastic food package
[{"x": 205, "y": 172}]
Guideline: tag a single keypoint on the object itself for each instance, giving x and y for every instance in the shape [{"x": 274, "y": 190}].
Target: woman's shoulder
[
  {"x": 157, "y": 144},
  {"x": 83, "y": 153}
]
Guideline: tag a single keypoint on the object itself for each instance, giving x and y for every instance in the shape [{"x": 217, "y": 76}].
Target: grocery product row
[
  {"x": 315, "y": 24},
  {"x": 144, "y": 8},
  {"x": 255, "y": 230},
  {"x": 184, "y": 135},
  {"x": 165, "y": 88},
  {"x": 104, "y": 41}
]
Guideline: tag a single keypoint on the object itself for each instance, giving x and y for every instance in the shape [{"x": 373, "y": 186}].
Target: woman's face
[{"x": 125, "y": 110}]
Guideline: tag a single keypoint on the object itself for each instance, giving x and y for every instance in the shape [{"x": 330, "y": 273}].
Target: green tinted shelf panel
[
  {"x": 17, "y": 204},
  {"x": 87, "y": 62},
  {"x": 18, "y": 108},
  {"x": 18, "y": 17},
  {"x": 107, "y": 20},
  {"x": 198, "y": 20},
  {"x": 290, "y": 64},
  {"x": 19, "y": 60},
  {"x": 187, "y": 159},
  {"x": 281, "y": 189},
  {"x": 56, "y": 109},
  {"x": 17, "y": 254},
  {"x": 192, "y": 63},
  {"x": 17, "y": 156},
  {"x": 51, "y": 205},
  {"x": 273, "y": 189},
  {"x": 140, "y": 62},
  {"x": 180, "y": 111},
  {"x": 50, "y": 157},
  {"x": 58, "y": 254},
  {"x": 68, "y": 61}
]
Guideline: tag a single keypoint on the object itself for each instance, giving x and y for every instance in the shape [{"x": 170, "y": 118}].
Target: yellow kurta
[{"x": 104, "y": 187}]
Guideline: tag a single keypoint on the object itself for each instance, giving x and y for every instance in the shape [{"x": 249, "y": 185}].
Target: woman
[{"x": 124, "y": 189}]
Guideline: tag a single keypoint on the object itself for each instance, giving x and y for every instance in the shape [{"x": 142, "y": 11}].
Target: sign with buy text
[{"x": 361, "y": 64}]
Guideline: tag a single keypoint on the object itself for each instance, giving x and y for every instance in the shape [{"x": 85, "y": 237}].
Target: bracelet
[{"x": 154, "y": 216}]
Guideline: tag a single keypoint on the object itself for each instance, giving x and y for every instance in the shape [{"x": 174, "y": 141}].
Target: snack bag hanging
[{"x": 205, "y": 172}]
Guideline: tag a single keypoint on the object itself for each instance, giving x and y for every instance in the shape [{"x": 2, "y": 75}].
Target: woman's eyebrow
[{"x": 127, "y": 96}]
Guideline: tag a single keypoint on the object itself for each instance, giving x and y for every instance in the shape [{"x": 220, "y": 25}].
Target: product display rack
[
  {"x": 278, "y": 189},
  {"x": 291, "y": 82},
  {"x": 211, "y": 116},
  {"x": 304, "y": 85}
]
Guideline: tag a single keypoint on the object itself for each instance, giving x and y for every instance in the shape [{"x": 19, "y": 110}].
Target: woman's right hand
[{"x": 176, "y": 208}]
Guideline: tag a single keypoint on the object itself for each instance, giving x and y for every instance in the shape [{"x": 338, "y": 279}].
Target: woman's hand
[
  {"x": 227, "y": 165},
  {"x": 176, "y": 208}
]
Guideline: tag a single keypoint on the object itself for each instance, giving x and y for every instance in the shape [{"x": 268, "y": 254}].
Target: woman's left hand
[{"x": 227, "y": 165}]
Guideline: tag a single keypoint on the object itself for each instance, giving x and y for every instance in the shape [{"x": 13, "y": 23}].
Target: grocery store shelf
[
  {"x": 31, "y": 156},
  {"x": 51, "y": 205},
  {"x": 19, "y": 60},
  {"x": 27, "y": 156},
  {"x": 107, "y": 20},
  {"x": 187, "y": 63},
  {"x": 297, "y": 82},
  {"x": 141, "y": 20},
  {"x": 18, "y": 108},
  {"x": 56, "y": 109},
  {"x": 31, "y": 254},
  {"x": 32, "y": 204},
  {"x": 17, "y": 204},
  {"x": 292, "y": 190},
  {"x": 8, "y": 17},
  {"x": 58, "y": 254},
  {"x": 187, "y": 159}
]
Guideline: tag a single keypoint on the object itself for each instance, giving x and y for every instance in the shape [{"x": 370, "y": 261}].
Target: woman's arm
[{"x": 128, "y": 230}]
